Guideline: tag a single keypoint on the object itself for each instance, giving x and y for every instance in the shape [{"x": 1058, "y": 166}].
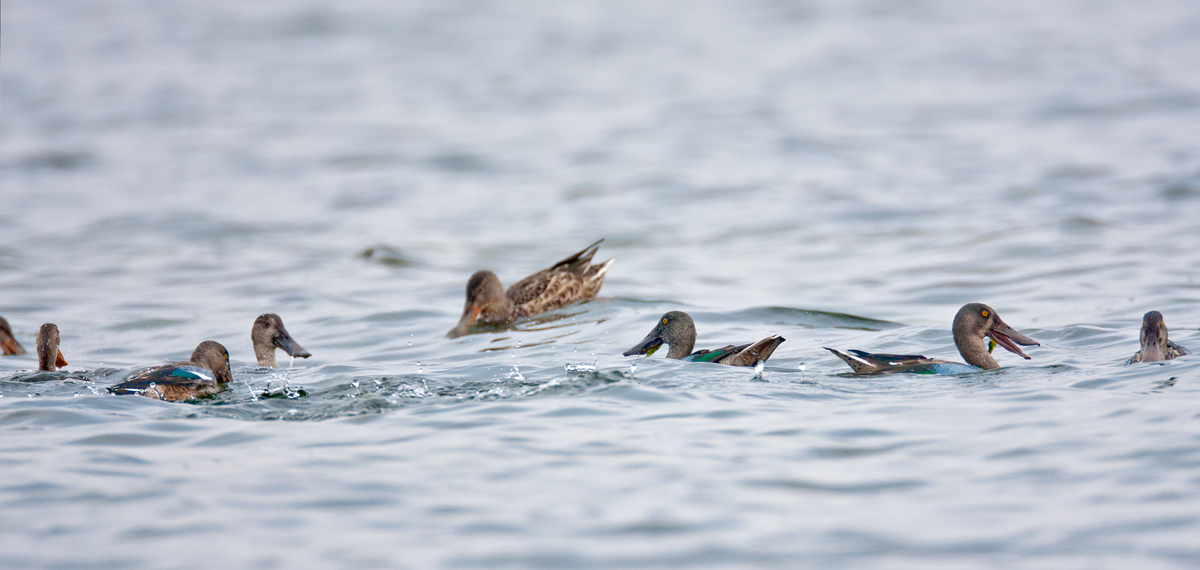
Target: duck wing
[
  {"x": 1174, "y": 350},
  {"x": 867, "y": 363},
  {"x": 744, "y": 355},
  {"x": 569, "y": 281},
  {"x": 171, "y": 382}
]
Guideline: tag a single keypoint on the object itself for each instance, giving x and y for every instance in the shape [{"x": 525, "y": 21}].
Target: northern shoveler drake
[
  {"x": 567, "y": 282},
  {"x": 8, "y": 343},
  {"x": 973, "y": 322},
  {"x": 1155, "y": 345},
  {"x": 204, "y": 375},
  {"x": 677, "y": 330},
  {"x": 268, "y": 334},
  {"x": 50, "y": 357}
]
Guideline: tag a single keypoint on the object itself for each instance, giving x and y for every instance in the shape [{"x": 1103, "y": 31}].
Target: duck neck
[
  {"x": 682, "y": 344},
  {"x": 47, "y": 357},
  {"x": 265, "y": 353},
  {"x": 499, "y": 311},
  {"x": 973, "y": 350}
]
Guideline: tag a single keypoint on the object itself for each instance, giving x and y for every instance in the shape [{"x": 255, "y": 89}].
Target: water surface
[{"x": 840, "y": 173}]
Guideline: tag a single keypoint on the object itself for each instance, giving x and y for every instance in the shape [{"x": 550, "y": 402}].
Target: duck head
[
  {"x": 1154, "y": 337},
  {"x": 485, "y": 299},
  {"x": 675, "y": 329},
  {"x": 211, "y": 355},
  {"x": 8, "y": 343},
  {"x": 50, "y": 357},
  {"x": 974, "y": 322},
  {"x": 268, "y": 334}
]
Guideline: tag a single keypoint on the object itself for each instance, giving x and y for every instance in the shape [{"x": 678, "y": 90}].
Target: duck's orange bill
[
  {"x": 60, "y": 361},
  {"x": 10, "y": 347}
]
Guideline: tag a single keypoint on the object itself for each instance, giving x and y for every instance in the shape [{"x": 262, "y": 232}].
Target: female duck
[
  {"x": 676, "y": 329},
  {"x": 1155, "y": 345},
  {"x": 8, "y": 343},
  {"x": 204, "y": 375},
  {"x": 268, "y": 334},
  {"x": 567, "y": 282},
  {"x": 973, "y": 322},
  {"x": 50, "y": 357}
]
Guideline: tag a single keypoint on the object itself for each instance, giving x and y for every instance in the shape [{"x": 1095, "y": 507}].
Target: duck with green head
[
  {"x": 205, "y": 374},
  {"x": 1155, "y": 344},
  {"x": 972, "y": 323},
  {"x": 567, "y": 282},
  {"x": 677, "y": 330}
]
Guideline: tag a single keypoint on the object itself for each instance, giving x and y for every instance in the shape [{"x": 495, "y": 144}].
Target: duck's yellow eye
[
  {"x": 664, "y": 321},
  {"x": 984, "y": 313}
]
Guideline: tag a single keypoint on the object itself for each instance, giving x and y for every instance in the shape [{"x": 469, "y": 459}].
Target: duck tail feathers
[
  {"x": 578, "y": 260},
  {"x": 859, "y": 365}
]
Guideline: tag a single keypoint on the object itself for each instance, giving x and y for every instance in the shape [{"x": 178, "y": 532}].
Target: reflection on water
[{"x": 840, "y": 173}]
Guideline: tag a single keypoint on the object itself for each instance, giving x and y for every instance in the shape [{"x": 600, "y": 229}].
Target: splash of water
[
  {"x": 253, "y": 394},
  {"x": 581, "y": 367}
]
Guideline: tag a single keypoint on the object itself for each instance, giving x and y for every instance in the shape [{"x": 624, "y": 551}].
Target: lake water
[{"x": 843, "y": 174}]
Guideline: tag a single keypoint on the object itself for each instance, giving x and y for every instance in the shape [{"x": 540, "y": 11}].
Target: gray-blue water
[{"x": 844, "y": 174}]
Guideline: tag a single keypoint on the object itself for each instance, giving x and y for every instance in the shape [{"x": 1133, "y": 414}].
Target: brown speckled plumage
[{"x": 567, "y": 282}]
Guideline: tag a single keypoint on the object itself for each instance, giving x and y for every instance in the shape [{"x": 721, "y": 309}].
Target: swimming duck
[
  {"x": 677, "y": 330},
  {"x": 8, "y": 343},
  {"x": 204, "y": 375},
  {"x": 268, "y": 334},
  {"x": 50, "y": 357},
  {"x": 569, "y": 281},
  {"x": 973, "y": 322},
  {"x": 1155, "y": 345}
]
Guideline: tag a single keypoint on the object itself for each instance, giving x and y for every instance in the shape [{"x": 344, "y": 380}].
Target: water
[{"x": 843, "y": 174}]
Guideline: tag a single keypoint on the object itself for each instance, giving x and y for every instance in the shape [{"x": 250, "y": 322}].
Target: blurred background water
[{"x": 841, "y": 173}]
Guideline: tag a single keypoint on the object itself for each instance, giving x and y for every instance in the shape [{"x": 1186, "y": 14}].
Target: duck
[
  {"x": 50, "y": 357},
  {"x": 572, "y": 280},
  {"x": 267, "y": 334},
  {"x": 205, "y": 374},
  {"x": 677, "y": 330},
  {"x": 973, "y": 322},
  {"x": 1155, "y": 345},
  {"x": 8, "y": 343}
]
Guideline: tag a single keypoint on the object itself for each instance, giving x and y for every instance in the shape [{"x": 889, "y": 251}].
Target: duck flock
[{"x": 575, "y": 280}]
